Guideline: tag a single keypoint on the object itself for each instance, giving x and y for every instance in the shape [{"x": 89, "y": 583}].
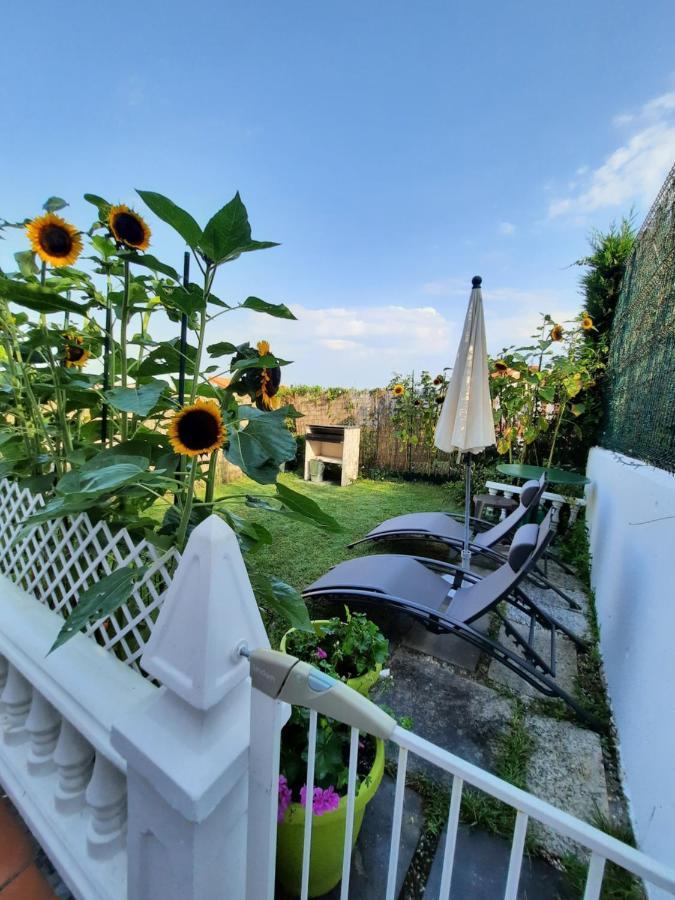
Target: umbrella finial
[{"x": 476, "y": 281}]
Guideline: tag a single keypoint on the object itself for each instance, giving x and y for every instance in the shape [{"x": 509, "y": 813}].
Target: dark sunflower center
[
  {"x": 55, "y": 240},
  {"x": 198, "y": 430},
  {"x": 74, "y": 353},
  {"x": 129, "y": 229}
]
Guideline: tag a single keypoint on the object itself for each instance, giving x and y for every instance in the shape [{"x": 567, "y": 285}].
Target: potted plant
[
  {"x": 353, "y": 650},
  {"x": 329, "y": 807}
]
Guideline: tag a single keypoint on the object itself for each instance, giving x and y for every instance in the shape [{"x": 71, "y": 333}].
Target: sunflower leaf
[
  {"x": 139, "y": 400},
  {"x": 54, "y": 204},
  {"x": 222, "y": 348},
  {"x": 151, "y": 262},
  {"x": 278, "y": 310},
  {"x": 282, "y": 599},
  {"x": 188, "y": 300},
  {"x": 180, "y": 220},
  {"x": 259, "y": 362},
  {"x": 165, "y": 359},
  {"x": 104, "y": 245},
  {"x": 262, "y": 446},
  {"x": 101, "y": 205},
  {"x": 227, "y": 230},
  {"x": 99, "y": 600},
  {"x": 25, "y": 260},
  {"x": 39, "y": 299},
  {"x": 307, "y": 507}
]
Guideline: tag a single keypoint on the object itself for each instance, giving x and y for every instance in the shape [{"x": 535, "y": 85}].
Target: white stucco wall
[{"x": 631, "y": 518}]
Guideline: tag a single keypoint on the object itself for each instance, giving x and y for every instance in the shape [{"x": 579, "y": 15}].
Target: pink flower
[
  {"x": 321, "y": 653},
  {"x": 285, "y": 797},
  {"x": 324, "y": 800}
]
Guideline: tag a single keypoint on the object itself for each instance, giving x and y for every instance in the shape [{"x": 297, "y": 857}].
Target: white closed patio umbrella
[{"x": 465, "y": 423}]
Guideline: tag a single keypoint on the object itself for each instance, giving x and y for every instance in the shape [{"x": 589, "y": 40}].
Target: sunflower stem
[
  {"x": 208, "y": 282},
  {"x": 124, "y": 320},
  {"x": 107, "y": 368},
  {"x": 563, "y": 404},
  {"x": 187, "y": 506},
  {"x": 58, "y": 396},
  {"x": 14, "y": 352},
  {"x": 211, "y": 478}
]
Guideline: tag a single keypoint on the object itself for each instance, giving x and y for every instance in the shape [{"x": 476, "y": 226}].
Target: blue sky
[{"x": 394, "y": 149}]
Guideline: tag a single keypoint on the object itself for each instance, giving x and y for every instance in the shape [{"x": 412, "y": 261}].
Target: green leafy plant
[
  {"x": 344, "y": 649},
  {"x": 137, "y": 442},
  {"x": 539, "y": 390}
]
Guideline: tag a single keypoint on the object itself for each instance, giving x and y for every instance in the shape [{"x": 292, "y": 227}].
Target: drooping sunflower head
[
  {"x": 197, "y": 429},
  {"x": 440, "y": 400},
  {"x": 586, "y": 322},
  {"x": 74, "y": 355},
  {"x": 128, "y": 228},
  {"x": 398, "y": 390},
  {"x": 501, "y": 366},
  {"x": 270, "y": 381},
  {"x": 438, "y": 380},
  {"x": 557, "y": 333},
  {"x": 54, "y": 240}
]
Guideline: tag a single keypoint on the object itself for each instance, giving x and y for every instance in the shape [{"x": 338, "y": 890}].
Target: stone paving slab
[
  {"x": 370, "y": 860},
  {"x": 447, "y": 648},
  {"x": 481, "y": 866},
  {"x": 451, "y": 710},
  {"x": 566, "y": 769},
  {"x": 566, "y": 663},
  {"x": 552, "y": 602},
  {"x": 575, "y": 621}
]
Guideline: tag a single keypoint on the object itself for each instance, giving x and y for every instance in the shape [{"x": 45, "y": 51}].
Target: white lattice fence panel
[{"x": 57, "y": 561}]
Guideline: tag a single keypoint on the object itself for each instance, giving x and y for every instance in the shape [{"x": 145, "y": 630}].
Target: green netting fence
[{"x": 640, "y": 387}]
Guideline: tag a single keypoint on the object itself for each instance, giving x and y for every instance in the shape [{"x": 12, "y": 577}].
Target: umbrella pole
[{"x": 466, "y": 553}]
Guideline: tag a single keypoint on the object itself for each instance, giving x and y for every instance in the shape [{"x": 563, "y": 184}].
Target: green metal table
[{"x": 554, "y": 476}]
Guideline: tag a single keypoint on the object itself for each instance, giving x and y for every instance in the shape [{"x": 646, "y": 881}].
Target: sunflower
[
  {"x": 54, "y": 240},
  {"x": 438, "y": 380},
  {"x": 586, "y": 322},
  {"x": 501, "y": 366},
  {"x": 557, "y": 333},
  {"x": 197, "y": 428},
  {"x": 75, "y": 356},
  {"x": 128, "y": 227},
  {"x": 398, "y": 390},
  {"x": 440, "y": 400},
  {"x": 269, "y": 385}
]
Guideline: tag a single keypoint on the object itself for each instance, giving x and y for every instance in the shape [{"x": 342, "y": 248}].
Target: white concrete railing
[
  {"x": 557, "y": 501},
  {"x": 196, "y": 761}
]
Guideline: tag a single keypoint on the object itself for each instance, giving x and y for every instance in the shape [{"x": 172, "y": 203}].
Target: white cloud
[
  {"x": 364, "y": 346},
  {"x": 359, "y": 346},
  {"x": 634, "y": 172},
  {"x": 507, "y": 228}
]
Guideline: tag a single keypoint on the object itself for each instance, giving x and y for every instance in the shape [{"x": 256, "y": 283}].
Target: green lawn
[{"x": 300, "y": 552}]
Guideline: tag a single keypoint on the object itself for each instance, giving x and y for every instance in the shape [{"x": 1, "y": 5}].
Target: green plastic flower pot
[
  {"x": 328, "y": 835},
  {"x": 363, "y": 683}
]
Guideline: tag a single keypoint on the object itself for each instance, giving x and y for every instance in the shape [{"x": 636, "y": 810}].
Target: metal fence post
[{"x": 187, "y": 748}]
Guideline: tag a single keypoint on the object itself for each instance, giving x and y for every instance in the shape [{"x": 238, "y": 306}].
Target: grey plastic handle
[{"x": 286, "y": 678}]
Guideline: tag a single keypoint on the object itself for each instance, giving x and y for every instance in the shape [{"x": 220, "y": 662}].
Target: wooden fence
[{"x": 372, "y": 410}]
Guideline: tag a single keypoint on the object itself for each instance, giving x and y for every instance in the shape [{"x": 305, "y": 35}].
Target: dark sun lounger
[
  {"x": 448, "y": 529},
  {"x": 450, "y": 604}
]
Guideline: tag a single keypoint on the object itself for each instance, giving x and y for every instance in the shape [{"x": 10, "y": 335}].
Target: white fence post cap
[{"x": 208, "y": 610}]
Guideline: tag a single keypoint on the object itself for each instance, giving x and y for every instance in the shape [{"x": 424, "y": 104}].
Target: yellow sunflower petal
[
  {"x": 128, "y": 228},
  {"x": 55, "y": 241},
  {"x": 197, "y": 429}
]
